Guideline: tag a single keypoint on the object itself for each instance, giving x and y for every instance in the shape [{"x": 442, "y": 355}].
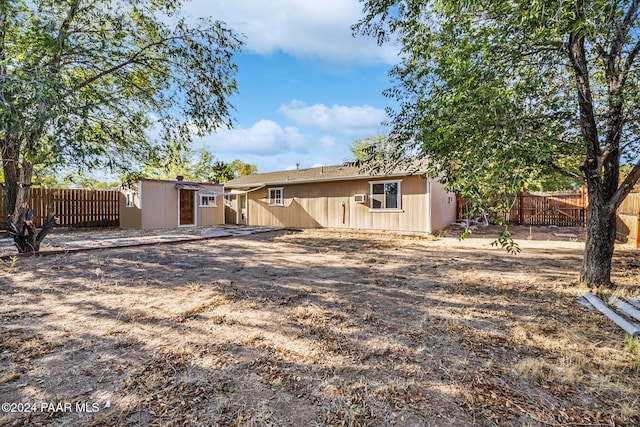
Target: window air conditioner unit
[{"x": 360, "y": 198}]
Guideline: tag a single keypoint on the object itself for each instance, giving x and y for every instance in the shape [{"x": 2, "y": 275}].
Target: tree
[
  {"x": 208, "y": 169},
  {"x": 241, "y": 168},
  {"x": 86, "y": 83},
  {"x": 493, "y": 91},
  {"x": 369, "y": 148},
  {"x": 179, "y": 160}
]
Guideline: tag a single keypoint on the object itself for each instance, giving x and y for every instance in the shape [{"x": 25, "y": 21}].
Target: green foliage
[
  {"x": 487, "y": 93},
  {"x": 241, "y": 168},
  {"x": 88, "y": 85},
  {"x": 632, "y": 345},
  {"x": 370, "y": 148},
  {"x": 505, "y": 242},
  {"x": 179, "y": 160},
  {"x": 201, "y": 166},
  {"x": 497, "y": 94}
]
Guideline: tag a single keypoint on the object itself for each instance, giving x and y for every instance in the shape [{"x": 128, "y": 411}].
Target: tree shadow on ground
[{"x": 293, "y": 329}]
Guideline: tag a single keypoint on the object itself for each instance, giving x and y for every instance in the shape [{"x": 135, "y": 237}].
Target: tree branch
[
  {"x": 133, "y": 59},
  {"x": 564, "y": 171},
  {"x": 3, "y": 34},
  {"x": 625, "y": 188},
  {"x": 64, "y": 30},
  {"x": 623, "y": 29},
  {"x": 628, "y": 63}
]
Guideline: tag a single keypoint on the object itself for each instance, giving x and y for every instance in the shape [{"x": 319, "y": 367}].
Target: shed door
[{"x": 187, "y": 210}]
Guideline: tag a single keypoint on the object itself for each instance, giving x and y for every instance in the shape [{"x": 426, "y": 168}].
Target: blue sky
[{"x": 307, "y": 87}]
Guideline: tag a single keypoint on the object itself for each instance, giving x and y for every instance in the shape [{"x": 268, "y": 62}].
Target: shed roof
[{"x": 295, "y": 176}]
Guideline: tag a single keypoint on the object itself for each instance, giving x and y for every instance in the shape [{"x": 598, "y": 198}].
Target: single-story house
[
  {"x": 339, "y": 197},
  {"x": 152, "y": 204}
]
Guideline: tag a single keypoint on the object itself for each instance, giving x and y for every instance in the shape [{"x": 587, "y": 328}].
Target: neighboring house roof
[{"x": 323, "y": 173}]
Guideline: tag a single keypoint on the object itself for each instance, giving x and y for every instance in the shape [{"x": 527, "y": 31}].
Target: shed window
[
  {"x": 129, "y": 199},
  {"x": 385, "y": 195},
  {"x": 275, "y": 197},
  {"x": 208, "y": 200}
]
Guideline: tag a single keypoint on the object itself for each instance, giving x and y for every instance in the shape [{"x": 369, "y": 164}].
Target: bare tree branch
[
  {"x": 622, "y": 30},
  {"x": 625, "y": 188},
  {"x": 564, "y": 171}
]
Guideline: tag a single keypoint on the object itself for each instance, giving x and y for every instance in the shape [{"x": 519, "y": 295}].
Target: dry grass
[{"x": 316, "y": 328}]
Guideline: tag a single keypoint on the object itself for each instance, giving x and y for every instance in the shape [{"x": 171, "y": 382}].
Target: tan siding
[
  {"x": 157, "y": 206},
  {"x": 131, "y": 217},
  {"x": 211, "y": 215},
  {"x": 317, "y": 205},
  {"x": 231, "y": 211},
  {"x": 443, "y": 207}
]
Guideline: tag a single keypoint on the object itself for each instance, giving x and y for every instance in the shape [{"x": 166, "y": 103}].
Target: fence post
[
  {"x": 583, "y": 216},
  {"x": 521, "y": 207}
]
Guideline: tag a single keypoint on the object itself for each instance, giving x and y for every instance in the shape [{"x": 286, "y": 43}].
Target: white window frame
[
  {"x": 208, "y": 197},
  {"x": 385, "y": 209},
  {"x": 129, "y": 199},
  {"x": 273, "y": 201}
]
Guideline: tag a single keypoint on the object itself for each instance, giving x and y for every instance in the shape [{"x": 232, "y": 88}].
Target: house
[
  {"x": 151, "y": 204},
  {"x": 339, "y": 197}
]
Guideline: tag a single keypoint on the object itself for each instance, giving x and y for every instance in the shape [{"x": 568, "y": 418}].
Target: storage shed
[{"x": 155, "y": 204}]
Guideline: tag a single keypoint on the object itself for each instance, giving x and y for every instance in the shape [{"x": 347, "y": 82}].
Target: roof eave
[{"x": 315, "y": 180}]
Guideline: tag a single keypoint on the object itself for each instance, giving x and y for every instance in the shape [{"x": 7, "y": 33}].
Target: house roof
[
  {"x": 179, "y": 182},
  {"x": 319, "y": 174}
]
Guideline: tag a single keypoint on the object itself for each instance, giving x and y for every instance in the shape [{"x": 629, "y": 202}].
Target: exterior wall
[
  {"x": 131, "y": 217},
  {"x": 209, "y": 215},
  {"x": 331, "y": 204},
  {"x": 443, "y": 207},
  {"x": 231, "y": 210},
  {"x": 159, "y": 205},
  {"x": 156, "y": 206}
]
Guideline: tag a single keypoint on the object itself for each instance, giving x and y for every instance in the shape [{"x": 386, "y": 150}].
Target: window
[
  {"x": 275, "y": 197},
  {"x": 208, "y": 201},
  {"x": 385, "y": 195},
  {"x": 227, "y": 200},
  {"x": 129, "y": 200}
]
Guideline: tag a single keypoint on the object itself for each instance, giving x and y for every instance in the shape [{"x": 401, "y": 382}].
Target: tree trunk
[
  {"x": 17, "y": 187},
  {"x": 599, "y": 245}
]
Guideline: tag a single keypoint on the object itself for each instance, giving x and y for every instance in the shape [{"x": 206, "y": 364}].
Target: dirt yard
[{"x": 315, "y": 328}]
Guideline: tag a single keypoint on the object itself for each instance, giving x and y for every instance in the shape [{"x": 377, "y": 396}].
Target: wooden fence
[
  {"x": 73, "y": 207},
  {"x": 628, "y": 220},
  {"x": 568, "y": 209},
  {"x": 561, "y": 208}
]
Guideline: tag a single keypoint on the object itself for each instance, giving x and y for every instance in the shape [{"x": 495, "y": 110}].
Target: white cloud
[
  {"x": 301, "y": 28},
  {"x": 265, "y": 137},
  {"x": 358, "y": 121}
]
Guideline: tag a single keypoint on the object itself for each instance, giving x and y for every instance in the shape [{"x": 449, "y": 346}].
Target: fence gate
[{"x": 561, "y": 208}]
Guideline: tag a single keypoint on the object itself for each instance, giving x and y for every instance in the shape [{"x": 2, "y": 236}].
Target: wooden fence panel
[
  {"x": 628, "y": 219},
  {"x": 74, "y": 207},
  {"x": 561, "y": 208}
]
